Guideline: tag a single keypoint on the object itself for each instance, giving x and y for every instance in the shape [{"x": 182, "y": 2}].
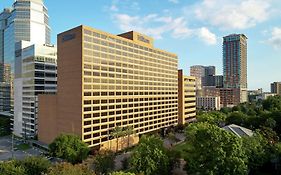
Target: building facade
[
  {"x": 275, "y": 87},
  {"x": 208, "y": 103},
  {"x": 36, "y": 73},
  {"x": 235, "y": 65},
  {"x": 105, "y": 81},
  {"x": 27, "y": 20},
  {"x": 186, "y": 98},
  {"x": 202, "y": 74}
]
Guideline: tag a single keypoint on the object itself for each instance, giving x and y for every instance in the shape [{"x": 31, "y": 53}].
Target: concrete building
[
  {"x": 212, "y": 91},
  {"x": 229, "y": 97},
  {"x": 201, "y": 73},
  {"x": 215, "y": 80},
  {"x": 276, "y": 88},
  {"x": 265, "y": 95},
  {"x": 208, "y": 103},
  {"x": 235, "y": 66},
  {"x": 186, "y": 98},
  {"x": 36, "y": 73},
  {"x": 5, "y": 97},
  {"x": 106, "y": 81}
]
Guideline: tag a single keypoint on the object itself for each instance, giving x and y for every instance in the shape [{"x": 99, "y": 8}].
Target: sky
[{"x": 193, "y": 29}]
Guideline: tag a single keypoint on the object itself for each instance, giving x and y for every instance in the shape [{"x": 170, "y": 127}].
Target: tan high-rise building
[
  {"x": 186, "y": 97},
  {"x": 105, "y": 81}
]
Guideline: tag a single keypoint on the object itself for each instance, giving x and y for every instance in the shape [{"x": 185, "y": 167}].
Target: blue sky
[{"x": 193, "y": 29}]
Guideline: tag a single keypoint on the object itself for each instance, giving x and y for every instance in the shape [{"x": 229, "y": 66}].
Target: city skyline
[{"x": 184, "y": 29}]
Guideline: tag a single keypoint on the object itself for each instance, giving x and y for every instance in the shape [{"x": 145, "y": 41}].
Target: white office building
[
  {"x": 208, "y": 103},
  {"x": 36, "y": 73}
]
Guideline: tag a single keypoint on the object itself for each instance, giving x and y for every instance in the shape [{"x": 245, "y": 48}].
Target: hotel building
[
  {"x": 107, "y": 80},
  {"x": 186, "y": 98}
]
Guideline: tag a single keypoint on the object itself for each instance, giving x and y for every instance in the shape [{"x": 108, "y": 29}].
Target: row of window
[
  {"x": 89, "y": 34},
  {"x": 144, "y": 56},
  {"x": 90, "y": 94}
]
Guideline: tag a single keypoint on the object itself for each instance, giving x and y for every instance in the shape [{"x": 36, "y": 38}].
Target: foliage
[
  {"x": 28, "y": 166},
  {"x": 216, "y": 118},
  {"x": 11, "y": 168},
  {"x": 69, "y": 169},
  {"x": 23, "y": 147},
  {"x": 272, "y": 103},
  {"x": 104, "y": 162},
  {"x": 5, "y": 126},
  {"x": 237, "y": 118},
  {"x": 214, "y": 151},
  {"x": 121, "y": 173},
  {"x": 35, "y": 165},
  {"x": 70, "y": 148},
  {"x": 116, "y": 133},
  {"x": 256, "y": 150},
  {"x": 149, "y": 157},
  {"x": 270, "y": 135}
]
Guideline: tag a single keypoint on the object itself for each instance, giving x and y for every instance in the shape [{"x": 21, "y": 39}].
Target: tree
[
  {"x": 69, "y": 169},
  {"x": 149, "y": 157},
  {"x": 70, "y": 148},
  {"x": 215, "y": 118},
  {"x": 272, "y": 103},
  {"x": 129, "y": 131},
  {"x": 257, "y": 151},
  {"x": 121, "y": 173},
  {"x": 237, "y": 118},
  {"x": 35, "y": 165},
  {"x": 11, "y": 168},
  {"x": 104, "y": 162},
  {"x": 116, "y": 133},
  {"x": 214, "y": 151}
]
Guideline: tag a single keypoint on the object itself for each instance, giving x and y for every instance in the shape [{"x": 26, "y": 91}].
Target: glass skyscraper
[{"x": 28, "y": 20}]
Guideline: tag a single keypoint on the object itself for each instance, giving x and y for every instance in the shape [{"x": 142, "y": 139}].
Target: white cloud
[
  {"x": 113, "y": 8},
  {"x": 156, "y": 26},
  {"x": 174, "y": 1},
  {"x": 275, "y": 39},
  {"x": 233, "y": 14},
  {"x": 208, "y": 37}
]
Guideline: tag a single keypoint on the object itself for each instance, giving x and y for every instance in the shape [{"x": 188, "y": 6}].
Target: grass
[{"x": 23, "y": 147}]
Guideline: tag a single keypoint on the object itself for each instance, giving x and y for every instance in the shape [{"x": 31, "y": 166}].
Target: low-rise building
[{"x": 208, "y": 103}]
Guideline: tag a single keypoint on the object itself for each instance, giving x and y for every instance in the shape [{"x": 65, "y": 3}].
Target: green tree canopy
[
  {"x": 104, "y": 162},
  {"x": 272, "y": 103},
  {"x": 121, "y": 173},
  {"x": 257, "y": 151},
  {"x": 35, "y": 165},
  {"x": 216, "y": 118},
  {"x": 70, "y": 148},
  {"x": 69, "y": 169},
  {"x": 11, "y": 168},
  {"x": 149, "y": 157},
  {"x": 214, "y": 151}
]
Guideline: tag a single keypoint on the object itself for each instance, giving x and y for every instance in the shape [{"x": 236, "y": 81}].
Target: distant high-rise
[
  {"x": 235, "y": 61},
  {"x": 276, "y": 88},
  {"x": 235, "y": 64},
  {"x": 201, "y": 73}
]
